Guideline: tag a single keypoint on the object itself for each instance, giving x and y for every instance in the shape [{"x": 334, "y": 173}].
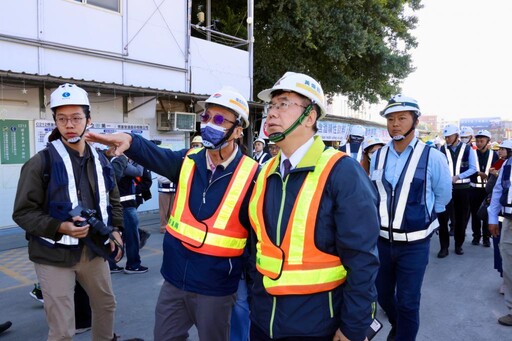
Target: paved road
[{"x": 460, "y": 295}]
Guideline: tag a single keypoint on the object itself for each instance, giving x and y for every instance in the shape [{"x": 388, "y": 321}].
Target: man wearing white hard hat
[
  {"x": 354, "y": 142},
  {"x": 207, "y": 232},
  {"x": 485, "y": 158},
  {"x": 304, "y": 249},
  {"x": 414, "y": 187},
  {"x": 259, "y": 154},
  {"x": 273, "y": 148},
  {"x": 67, "y": 201},
  {"x": 501, "y": 202},
  {"x": 462, "y": 164}
]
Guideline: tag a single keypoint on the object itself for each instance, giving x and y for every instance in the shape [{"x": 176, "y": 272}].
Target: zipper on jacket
[
  {"x": 280, "y": 217},
  {"x": 278, "y": 243},
  {"x": 210, "y": 184},
  {"x": 391, "y": 216}
]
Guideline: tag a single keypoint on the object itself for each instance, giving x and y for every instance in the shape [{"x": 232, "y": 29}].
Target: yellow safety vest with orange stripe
[
  {"x": 296, "y": 267},
  {"x": 222, "y": 234}
]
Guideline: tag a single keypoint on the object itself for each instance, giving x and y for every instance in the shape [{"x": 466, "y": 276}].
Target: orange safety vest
[
  {"x": 222, "y": 234},
  {"x": 296, "y": 267}
]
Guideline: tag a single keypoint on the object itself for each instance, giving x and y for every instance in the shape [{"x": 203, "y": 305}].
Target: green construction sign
[{"x": 14, "y": 135}]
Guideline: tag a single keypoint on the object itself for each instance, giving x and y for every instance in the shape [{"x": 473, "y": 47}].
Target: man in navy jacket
[
  {"x": 314, "y": 215},
  {"x": 208, "y": 228}
]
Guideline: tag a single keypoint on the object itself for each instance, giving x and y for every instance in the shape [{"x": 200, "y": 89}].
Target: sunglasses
[{"x": 218, "y": 119}]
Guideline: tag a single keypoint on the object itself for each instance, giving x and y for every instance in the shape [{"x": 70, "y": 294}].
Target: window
[{"x": 112, "y": 5}]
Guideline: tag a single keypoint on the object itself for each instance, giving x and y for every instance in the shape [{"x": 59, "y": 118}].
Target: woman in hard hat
[
  {"x": 501, "y": 202},
  {"x": 197, "y": 142},
  {"x": 370, "y": 146}
]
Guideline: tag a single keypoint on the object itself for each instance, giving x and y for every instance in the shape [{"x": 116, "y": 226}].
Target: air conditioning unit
[{"x": 176, "y": 121}]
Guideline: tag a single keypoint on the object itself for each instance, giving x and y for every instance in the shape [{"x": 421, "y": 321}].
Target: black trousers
[
  {"x": 460, "y": 206},
  {"x": 82, "y": 308},
  {"x": 480, "y": 227}
]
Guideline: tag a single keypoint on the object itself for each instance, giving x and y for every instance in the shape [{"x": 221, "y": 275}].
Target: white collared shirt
[{"x": 297, "y": 155}]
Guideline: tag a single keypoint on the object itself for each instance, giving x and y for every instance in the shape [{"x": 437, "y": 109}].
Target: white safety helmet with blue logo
[
  {"x": 401, "y": 103},
  {"x": 507, "y": 144},
  {"x": 450, "y": 129},
  {"x": 68, "y": 94},
  {"x": 484, "y": 133},
  {"x": 466, "y": 131}
]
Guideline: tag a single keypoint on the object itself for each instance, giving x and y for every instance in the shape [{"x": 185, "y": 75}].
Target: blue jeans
[
  {"x": 131, "y": 237},
  {"x": 240, "y": 320},
  {"x": 401, "y": 272}
]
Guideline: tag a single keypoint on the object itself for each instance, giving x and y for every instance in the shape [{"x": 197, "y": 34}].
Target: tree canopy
[{"x": 358, "y": 48}]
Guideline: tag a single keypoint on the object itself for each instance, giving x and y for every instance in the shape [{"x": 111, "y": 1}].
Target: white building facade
[{"x": 136, "y": 59}]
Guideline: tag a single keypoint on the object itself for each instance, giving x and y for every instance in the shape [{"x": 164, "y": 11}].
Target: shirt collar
[
  {"x": 224, "y": 165},
  {"x": 298, "y": 154},
  {"x": 411, "y": 144}
]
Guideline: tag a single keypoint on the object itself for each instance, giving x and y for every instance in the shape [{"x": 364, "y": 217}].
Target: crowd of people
[{"x": 299, "y": 241}]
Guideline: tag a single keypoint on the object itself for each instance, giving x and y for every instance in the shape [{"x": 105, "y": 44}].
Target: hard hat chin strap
[
  {"x": 76, "y": 139},
  {"x": 276, "y": 137}
]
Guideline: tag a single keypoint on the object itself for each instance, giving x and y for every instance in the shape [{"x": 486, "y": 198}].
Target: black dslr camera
[{"x": 96, "y": 225}]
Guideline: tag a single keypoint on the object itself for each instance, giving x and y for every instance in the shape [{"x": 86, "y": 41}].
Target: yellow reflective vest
[{"x": 296, "y": 267}]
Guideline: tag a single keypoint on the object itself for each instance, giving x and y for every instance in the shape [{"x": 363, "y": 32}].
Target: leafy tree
[{"x": 359, "y": 48}]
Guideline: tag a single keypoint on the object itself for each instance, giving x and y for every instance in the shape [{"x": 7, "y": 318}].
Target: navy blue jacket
[
  {"x": 347, "y": 225},
  {"x": 185, "y": 269}
]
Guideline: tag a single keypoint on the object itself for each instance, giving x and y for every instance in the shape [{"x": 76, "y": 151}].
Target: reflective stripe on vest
[
  {"x": 412, "y": 236},
  {"x": 506, "y": 184},
  {"x": 358, "y": 156},
  {"x": 404, "y": 192},
  {"x": 458, "y": 163},
  {"x": 481, "y": 182},
  {"x": 72, "y": 190},
  {"x": 127, "y": 197},
  {"x": 222, "y": 234},
  {"x": 297, "y": 266},
  {"x": 260, "y": 160}
]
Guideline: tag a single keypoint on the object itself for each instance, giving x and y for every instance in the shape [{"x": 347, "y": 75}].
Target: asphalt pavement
[{"x": 460, "y": 298}]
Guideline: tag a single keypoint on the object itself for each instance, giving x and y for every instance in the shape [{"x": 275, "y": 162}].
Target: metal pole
[{"x": 250, "y": 39}]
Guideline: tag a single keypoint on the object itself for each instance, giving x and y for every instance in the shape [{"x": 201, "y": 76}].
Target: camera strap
[{"x": 101, "y": 251}]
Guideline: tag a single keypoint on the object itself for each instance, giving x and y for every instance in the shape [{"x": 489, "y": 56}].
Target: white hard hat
[
  {"x": 357, "y": 130},
  {"x": 68, "y": 94},
  {"x": 301, "y": 84},
  {"x": 372, "y": 141},
  {"x": 230, "y": 98},
  {"x": 450, "y": 129},
  {"x": 484, "y": 133},
  {"x": 401, "y": 103},
  {"x": 506, "y": 144},
  {"x": 271, "y": 143},
  {"x": 259, "y": 139},
  {"x": 466, "y": 131},
  {"x": 197, "y": 139}
]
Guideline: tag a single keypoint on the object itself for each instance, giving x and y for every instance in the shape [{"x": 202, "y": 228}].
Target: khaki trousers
[{"x": 58, "y": 286}]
